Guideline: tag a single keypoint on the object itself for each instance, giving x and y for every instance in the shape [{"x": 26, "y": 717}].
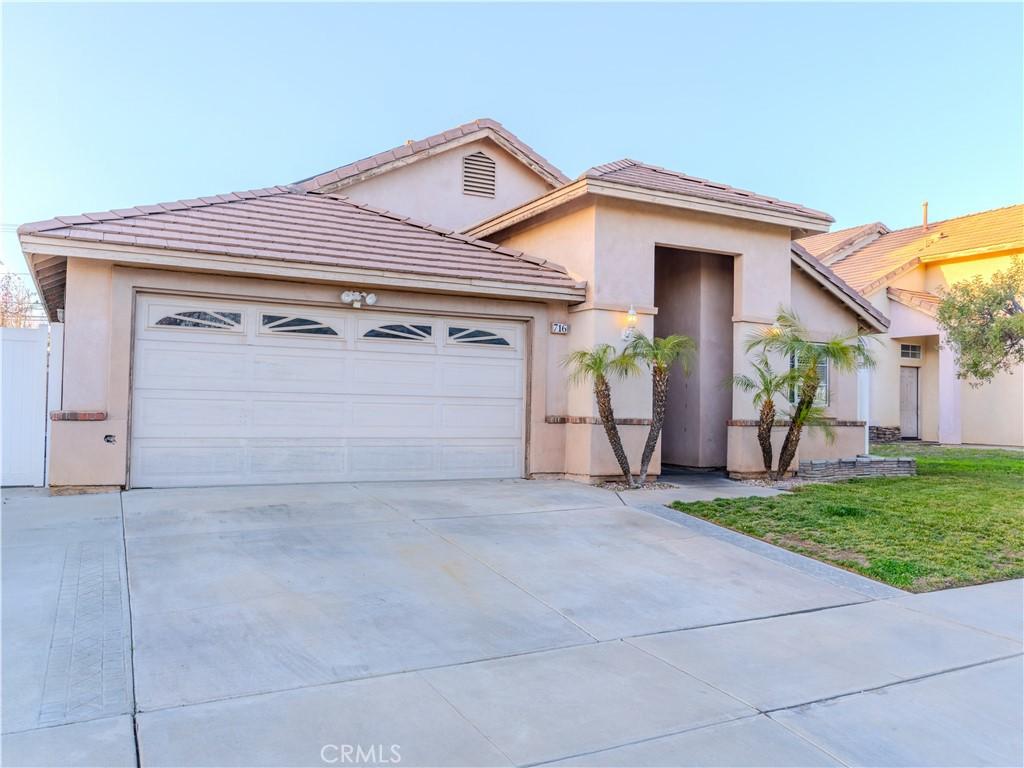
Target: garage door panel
[
  {"x": 479, "y": 461},
  {"x": 298, "y": 417},
  {"x": 266, "y": 406},
  {"x": 168, "y": 414},
  {"x": 390, "y": 373},
  {"x": 171, "y": 366},
  {"x": 482, "y": 378}
]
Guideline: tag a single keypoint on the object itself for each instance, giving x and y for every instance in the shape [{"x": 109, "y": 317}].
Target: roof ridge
[
  {"x": 96, "y": 217},
  {"x": 416, "y": 146},
  {"x": 933, "y": 224}
]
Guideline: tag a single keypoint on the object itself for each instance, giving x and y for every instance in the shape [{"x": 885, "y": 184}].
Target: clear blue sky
[{"x": 860, "y": 110}]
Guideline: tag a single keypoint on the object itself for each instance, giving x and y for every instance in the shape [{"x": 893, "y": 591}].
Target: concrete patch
[
  {"x": 168, "y": 512},
  {"x": 314, "y": 725},
  {"x": 793, "y": 660},
  {"x": 968, "y": 717},
  {"x": 487, "y": 497},
  {"x": 620, "y": 572},
  {"x": 552, "y": 705},
  {"x": 341, "y": 602},
  {"x": 754, "y": 742},
  {"x": 109, "y": 743},
  {"x": 997, "y": 608}
]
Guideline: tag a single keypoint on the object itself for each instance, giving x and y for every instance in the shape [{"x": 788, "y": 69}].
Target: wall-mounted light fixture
[
  {"x": 630, "y": 330},
  {"x": 356, "y": 298}
]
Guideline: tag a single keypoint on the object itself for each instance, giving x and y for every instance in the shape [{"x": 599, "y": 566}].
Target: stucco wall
[
  {"x": 430, "y": 189},
  {"x": 993, "y": 414}
]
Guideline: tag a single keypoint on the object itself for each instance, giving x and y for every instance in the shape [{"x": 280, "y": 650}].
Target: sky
[{"x": 862, "y": 110}]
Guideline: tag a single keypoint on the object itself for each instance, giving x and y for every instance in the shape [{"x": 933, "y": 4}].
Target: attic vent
[{"x": 478, "y": 175}]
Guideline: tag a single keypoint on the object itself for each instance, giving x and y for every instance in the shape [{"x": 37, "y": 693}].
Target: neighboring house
[
  {"x": 915, "y": 392},
  {"x": 229, "y": 339}
]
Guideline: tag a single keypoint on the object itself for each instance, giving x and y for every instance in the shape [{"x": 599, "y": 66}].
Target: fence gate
[{"x": 23, "y": 394}]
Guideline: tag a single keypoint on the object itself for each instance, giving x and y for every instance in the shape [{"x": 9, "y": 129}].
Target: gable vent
[{"x": 478, "y": 175}]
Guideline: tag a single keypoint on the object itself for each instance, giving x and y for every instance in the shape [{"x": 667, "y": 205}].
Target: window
[
  {"x": 476, "y": 336},
  {"x": 202, "y": 318},
  {"x": 400, "y": 331},
  {"x": 289, "y": 324},
  {"x": 478, "y": 175},
  {"x": 821, "y": 398},
  {"x": 910, "y": 351}
]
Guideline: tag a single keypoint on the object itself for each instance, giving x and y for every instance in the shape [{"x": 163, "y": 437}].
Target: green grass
[{"x": 960, "y": 521}]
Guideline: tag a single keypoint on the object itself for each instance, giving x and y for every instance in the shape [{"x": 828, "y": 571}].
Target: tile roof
[
  {"x": 288, "y": 225},
  {"x": 481, "y": 127},
  {"x": 636, "y": 174},
  {"x": 828, "y": 245},
  {"x": 896, "y": 252},
  {"x": 858, "y": 303},
  {"x": 923, "y": 300}
]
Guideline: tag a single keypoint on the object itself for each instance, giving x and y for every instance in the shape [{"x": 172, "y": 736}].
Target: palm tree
[
  {"x": 766, "y": 385},
  {"x": 660, "y": 355},
  {"x": 597, "y": 365},
  {"x": 789, "y": 338}
]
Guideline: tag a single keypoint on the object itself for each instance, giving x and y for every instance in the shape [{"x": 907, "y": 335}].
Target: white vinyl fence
[{"x": 26, "y": 356}]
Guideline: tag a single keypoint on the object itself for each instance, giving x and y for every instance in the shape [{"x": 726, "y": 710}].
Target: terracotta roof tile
[
  {"x": 483, "y": 127},
  {"x": 289, "y": 225},
  {"x": 637, "y": 174},
  {"x": 896, "y": 252},
  {"x": 825, "y": 246},
  {"x": 923, "y": 300}
]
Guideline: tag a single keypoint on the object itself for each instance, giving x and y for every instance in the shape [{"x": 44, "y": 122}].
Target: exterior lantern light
[
  {"x": 356, "y": 298},
  {"x": 630, "y": 330}
]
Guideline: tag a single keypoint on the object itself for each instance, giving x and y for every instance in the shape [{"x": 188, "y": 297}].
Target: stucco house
[
  {"x": 405, "y": 317},
  {"x": 914, "y": 389}
]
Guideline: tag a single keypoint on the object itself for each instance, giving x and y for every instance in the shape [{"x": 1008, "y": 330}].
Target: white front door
[
  {"x": 228, "y": 393},
  {"x": 908, "y": 402}
]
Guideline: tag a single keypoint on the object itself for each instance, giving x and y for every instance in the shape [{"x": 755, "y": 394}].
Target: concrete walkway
[{"x": 476, "y": 623}]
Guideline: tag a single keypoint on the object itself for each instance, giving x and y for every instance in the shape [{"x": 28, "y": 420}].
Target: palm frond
[
  {"x": 598, "y": 363},
  {"x": 663, "y": 353}
]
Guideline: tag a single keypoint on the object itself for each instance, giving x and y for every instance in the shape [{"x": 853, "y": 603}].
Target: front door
[{"x": 908, "y": 402}]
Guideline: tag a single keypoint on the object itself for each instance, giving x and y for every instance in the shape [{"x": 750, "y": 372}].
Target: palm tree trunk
[
  {"x": 764, "y": 433},
  {"x": 808, "y": 390},
  {"x": 603, "y": 394},
  {"x": 659, "y": 397}
]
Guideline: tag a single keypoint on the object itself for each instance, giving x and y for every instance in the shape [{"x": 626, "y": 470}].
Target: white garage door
[{"x": 228, "y": 392}]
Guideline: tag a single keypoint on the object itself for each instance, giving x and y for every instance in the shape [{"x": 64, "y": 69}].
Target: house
[
  {"x": 405, "y": 317},
  {"x": 914, "y": 390}
]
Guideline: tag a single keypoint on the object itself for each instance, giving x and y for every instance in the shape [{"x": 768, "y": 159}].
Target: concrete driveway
[{"x": 476, "y": 623}]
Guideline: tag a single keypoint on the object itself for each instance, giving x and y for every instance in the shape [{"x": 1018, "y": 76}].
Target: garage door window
[
  {"x": 292, "y": 325},
  {"x": 201, "y": 318},
  {"x": 400, "y": 332},
  {"x": 458, "y": 335}
]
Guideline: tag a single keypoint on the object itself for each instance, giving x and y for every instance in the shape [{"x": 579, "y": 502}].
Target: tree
[
  {"x": 597, "y": 365},
  {"x": 766, "y": 385},
  {"x": 660, "y": 355},
  {"x": 16, "y": 302},
  {"x": 789, "y": 338},
  {"x": 983, "y": 323}
]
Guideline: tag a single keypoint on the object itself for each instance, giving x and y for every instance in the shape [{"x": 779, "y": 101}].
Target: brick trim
[
  {"x": 78, "y": 415},
  {"x": 781, "y": 423},
  {"x": 595, "y": 420}
]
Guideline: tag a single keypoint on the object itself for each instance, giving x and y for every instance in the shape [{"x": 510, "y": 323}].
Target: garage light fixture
[
  {"x": 356, "y": 298},
  {"x": 631, "y": 319}
]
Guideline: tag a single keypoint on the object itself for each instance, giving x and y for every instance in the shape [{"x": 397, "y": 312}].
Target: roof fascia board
[
  {"x": 637, "y": 194},
  {"x": 705, "y": 205},
  {"x": 186, "y": 260},
  {"x": 878, "y": 324},
  {"x": 989, "y": 250}
]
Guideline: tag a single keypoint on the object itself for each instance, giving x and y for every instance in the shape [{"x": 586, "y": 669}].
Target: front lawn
[{"x": 960, "y": 521}]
